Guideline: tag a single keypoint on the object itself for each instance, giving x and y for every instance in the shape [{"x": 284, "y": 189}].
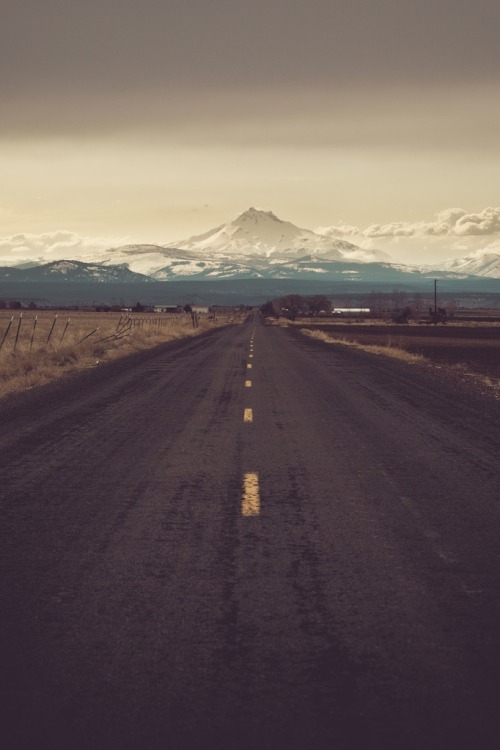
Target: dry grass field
[
  {"x": 37, "y": 347},
  {"x": 471, "y": 347}
]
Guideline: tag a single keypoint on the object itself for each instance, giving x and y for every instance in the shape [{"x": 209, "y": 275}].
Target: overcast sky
[{"x": 151, "y": 121}]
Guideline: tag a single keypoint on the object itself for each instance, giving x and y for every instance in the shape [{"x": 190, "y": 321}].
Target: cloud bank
[
  {"x": 53, "y": 246},
  {"x": 452, "y": 222},
  {"x": 454, "y": 232}
]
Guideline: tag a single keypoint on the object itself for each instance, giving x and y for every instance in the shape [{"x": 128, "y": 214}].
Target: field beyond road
[
  {"x": 37, "y": 347},
  {"x": 250, "y": 539},
  {"x": 459, "y": 349}
]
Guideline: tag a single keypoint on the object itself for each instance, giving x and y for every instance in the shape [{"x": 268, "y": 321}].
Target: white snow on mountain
[
  {"x": 479, "y": 263},
  {"x": 145, "y": 259},
  {"x": 256, "y": 233},
  {"x": 196, "y": 268},
  {"x": 256, "y": 244}
]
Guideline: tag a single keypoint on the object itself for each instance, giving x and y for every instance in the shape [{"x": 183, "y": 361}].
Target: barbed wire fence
[{"x": 42, "y": 332}]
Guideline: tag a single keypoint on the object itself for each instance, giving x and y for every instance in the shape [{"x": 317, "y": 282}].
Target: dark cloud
[
  {"x": 68, "y": 46},
  {"x": 396, "y": 119}
]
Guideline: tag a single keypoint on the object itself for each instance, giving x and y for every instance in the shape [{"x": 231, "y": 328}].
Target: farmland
[
  {"x": 471, "y": 347},
  {"x": 37, "y": 347}
]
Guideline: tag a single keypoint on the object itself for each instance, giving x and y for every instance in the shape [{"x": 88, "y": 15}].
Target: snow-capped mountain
[
  {"x": 255, "y": 245},
  {"x": 261, "y": 234},
  {"x": 145, "y": 259},
  {"x": 73, "y": 271},
  {"x": 479, "y": 264},
  {"x": 206, "y": 269}
]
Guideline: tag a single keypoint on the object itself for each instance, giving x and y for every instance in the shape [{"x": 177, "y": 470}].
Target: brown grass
[
  {"x": 454, "y": 353},
  {"x": 40, "y": 356},
  {"x": 387, "y": 351}
]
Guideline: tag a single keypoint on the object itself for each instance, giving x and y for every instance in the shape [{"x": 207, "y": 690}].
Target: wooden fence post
[
  {"x": 18, "y": 329},
  {"x": 89, "y": 334},
  {"x": 52, "y": 328},
  {"x": 65, "y": 329},
  {"x": 7, "y": 331},
  {"x": 34, "y": 329}
]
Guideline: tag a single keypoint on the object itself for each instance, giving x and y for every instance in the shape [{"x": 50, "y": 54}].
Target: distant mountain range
[
  {"x": 256, "y": 245},
  {"x": 72, "y": 271},
  {"x": 486, "y": 265}
]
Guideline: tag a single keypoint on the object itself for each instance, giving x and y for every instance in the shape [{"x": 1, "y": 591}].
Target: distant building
[
  {"x": 200, "y": 309},
  {"x": 351, "y": 311},
  {"x": 167, "y": 308}
]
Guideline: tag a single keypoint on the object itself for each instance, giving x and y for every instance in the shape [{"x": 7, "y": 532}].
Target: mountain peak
[
  {"x": 257, "y": 214},
  {"x": 261, "y": 234}
]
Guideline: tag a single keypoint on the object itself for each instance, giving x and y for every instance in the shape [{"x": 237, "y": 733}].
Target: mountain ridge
[
  {"x": 485, "y": 264},
  {"x": 255, "y": 245},
  {"x": 261, "y": 234}
]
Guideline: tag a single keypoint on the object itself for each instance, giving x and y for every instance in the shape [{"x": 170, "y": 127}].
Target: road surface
[{"x": 250, "y": 540}]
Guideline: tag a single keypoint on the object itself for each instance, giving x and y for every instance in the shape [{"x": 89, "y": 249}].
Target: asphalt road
[{"x": 175, "y": 575}]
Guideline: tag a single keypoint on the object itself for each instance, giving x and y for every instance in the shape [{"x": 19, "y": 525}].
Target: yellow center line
[
  {"x": 250, "y": 504},
  {"x": 250, "y": 356},
  {"x": 248, "y": 383},
  {"x": 249, "y": 366},
  {"x": 248, "y": 415}
]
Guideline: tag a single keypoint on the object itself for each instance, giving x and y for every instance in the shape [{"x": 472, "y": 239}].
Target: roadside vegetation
[
  {"x": 473, "y": 361},
  {"x": 457, "y": 343},
  {"x": 37, "y": 347},
  {"x": 395, "y": 352}
]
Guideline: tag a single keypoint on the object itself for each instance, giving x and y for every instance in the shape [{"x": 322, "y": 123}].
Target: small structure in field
[
  {"x": 351, "y": 311},
  {"x": 200, "y": 309},
  {"x": 167, "y": 308}
]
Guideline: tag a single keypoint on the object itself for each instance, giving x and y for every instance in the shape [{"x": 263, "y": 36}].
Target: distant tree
[
  {"x": 138, "y": 308},
  {"x": 318, "y": 303},
  {"x": 3, "y": 304},
  {"x": 292, "y": 306},
  {"x": 417, "y": 305},
  {"x": 403, "y": 316},
  {"x": 188, "y": 309},
  {"x": 377, "y": 303},
  {"x": 14, "y": 304},
  {"x": 268, "y": 309},
  {"x": 398, "y": 299}
]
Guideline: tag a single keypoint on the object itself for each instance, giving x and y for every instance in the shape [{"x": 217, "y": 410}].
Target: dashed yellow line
[
  {"x": 248, "y": 415},
  {"x": 249, "y": 366},
  {"x": 250, "y": 504},
  {"x": 248, "y": 383}
]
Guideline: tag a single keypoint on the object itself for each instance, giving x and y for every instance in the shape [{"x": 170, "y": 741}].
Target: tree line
[{"x": 293, "y": 305}]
